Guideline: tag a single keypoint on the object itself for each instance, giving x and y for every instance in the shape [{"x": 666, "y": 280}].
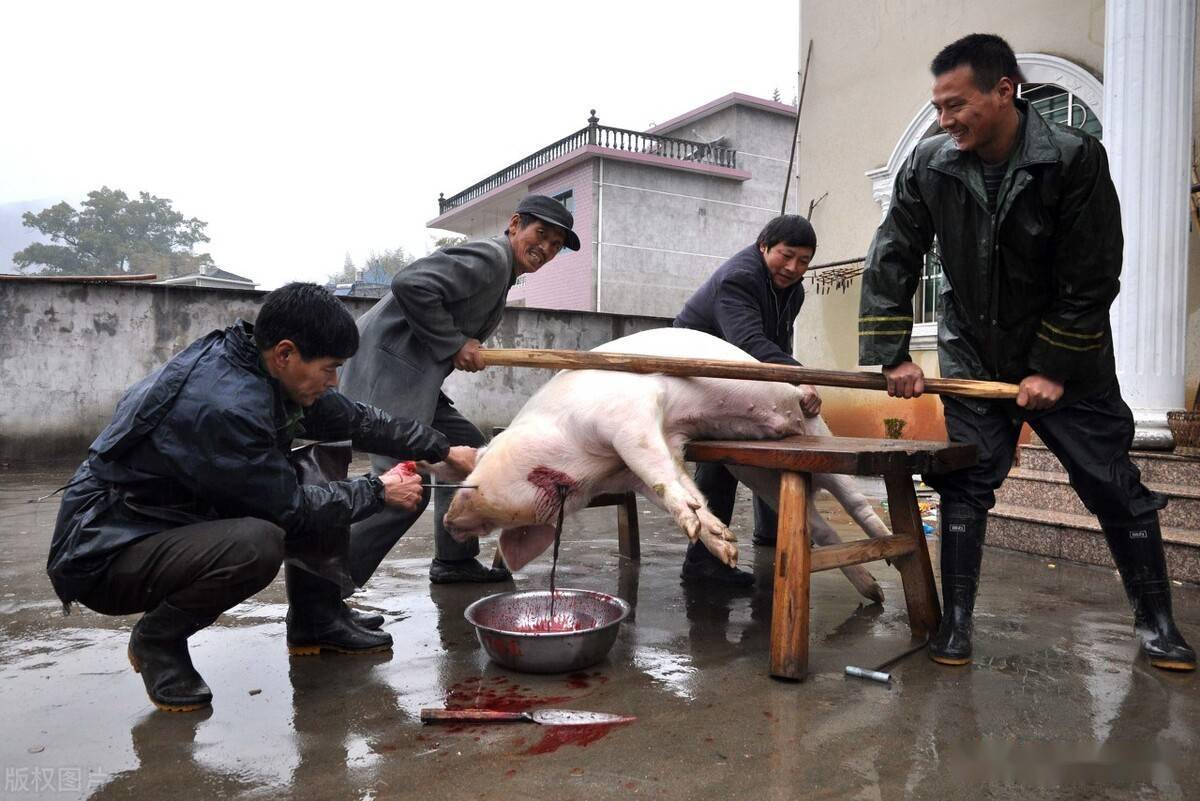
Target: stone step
[
  {"x": 1161, "y": 468},
  {"x": 1078, "y": 538},
  {"x": 1039, "y": 489}
]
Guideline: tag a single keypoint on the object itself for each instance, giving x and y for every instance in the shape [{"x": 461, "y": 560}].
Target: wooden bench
[{"x": 795, "y": 559}]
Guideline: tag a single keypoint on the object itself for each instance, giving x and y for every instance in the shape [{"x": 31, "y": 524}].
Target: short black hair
[
  {"x": 790, "y": 229},
  {"x": 988, "y": 56},
  {"x": 525, "y": 219},
  {"x": 310, "y": 316}
]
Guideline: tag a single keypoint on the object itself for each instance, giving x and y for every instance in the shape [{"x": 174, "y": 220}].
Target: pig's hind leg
[{"x": 659, "y": 467}]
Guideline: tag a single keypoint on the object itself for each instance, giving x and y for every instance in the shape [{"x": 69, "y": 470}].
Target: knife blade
[{"x": 544, "y": 717}]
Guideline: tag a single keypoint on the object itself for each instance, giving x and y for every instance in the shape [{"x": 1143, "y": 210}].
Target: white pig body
[{"x": 588, "y": 432}]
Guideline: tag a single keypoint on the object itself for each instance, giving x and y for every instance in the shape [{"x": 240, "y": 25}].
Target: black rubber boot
[
  {"x": 702, "y": 567},
  {"x": 317, "y": 620},
  {"x": 766, "y": 523},
  {"x": 1138, "y": 551},
  {"x": 465, "y": 571},
  {"x": 963, "y": 530},
  {"x": 158, "y": 651},
  {"x": 368, "y": 620}
]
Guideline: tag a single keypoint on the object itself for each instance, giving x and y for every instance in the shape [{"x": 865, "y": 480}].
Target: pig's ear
[{"x": 520, "y": 546}]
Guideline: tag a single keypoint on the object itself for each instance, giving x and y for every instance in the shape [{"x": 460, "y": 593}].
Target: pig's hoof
[{"x": 874, "y": 593}]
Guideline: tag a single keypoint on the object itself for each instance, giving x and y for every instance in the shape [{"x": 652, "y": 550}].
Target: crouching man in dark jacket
[{"x": 186, "y": 502}]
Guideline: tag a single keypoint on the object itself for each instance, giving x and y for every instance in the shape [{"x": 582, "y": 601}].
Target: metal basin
[{"x": 507, "y": 624}]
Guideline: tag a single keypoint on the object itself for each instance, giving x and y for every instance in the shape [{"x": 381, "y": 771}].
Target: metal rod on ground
[
  {"x": 876, "y": 673},
  {"x": 723, "y": 368}
]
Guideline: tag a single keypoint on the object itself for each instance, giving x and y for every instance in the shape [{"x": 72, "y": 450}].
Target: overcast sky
[{"x": 301, "y": 132}]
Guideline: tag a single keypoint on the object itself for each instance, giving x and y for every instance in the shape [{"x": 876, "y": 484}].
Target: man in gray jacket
[{"x": 440, "y": 309}]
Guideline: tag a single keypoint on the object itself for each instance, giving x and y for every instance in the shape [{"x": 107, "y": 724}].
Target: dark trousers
[
  {"x": 373, "y": 538},
  {"x": 204, "y": 568},
  {"x": 1091, "y": 437},
  {"x": 719, "y": 488}
]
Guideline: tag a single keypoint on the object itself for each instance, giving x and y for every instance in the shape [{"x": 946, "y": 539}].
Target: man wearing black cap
[
  {"x": 441, "y": 308},
  {"x": 750, "y": 301}
]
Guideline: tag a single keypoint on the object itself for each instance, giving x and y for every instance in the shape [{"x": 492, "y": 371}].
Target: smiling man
[
  {"x": 187, "y": 501},
  {"x": 750, "y": 301},
  {"x": 1028, "y": 228},
  {"x": 439, "y": 311}
]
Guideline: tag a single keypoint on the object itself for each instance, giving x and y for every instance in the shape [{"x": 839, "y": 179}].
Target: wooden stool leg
[
  {"x": 793, "y": 557},
  {"x": 628, "y": 539},
  {"x": 916, "y": 573}
]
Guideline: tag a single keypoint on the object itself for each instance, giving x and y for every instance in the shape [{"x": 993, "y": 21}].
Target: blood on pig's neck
[{"x": 548, "y": 481}]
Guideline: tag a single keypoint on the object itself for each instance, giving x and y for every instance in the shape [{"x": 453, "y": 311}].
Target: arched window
[{"x": 1061, "y": 92}]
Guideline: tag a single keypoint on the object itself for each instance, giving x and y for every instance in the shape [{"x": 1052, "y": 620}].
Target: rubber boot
[
  {"x": 963, "y": 530},
  {"x": 1138, "y": 551},
  {"x": 317, "y": 620},
  {"x": 368, "y": 620},
  {"x": 158, "y": 651},
  {"x": 702, "y": 567}
]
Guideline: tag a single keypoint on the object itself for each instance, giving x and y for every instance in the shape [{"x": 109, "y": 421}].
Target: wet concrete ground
[{"x": 1057, "y": 704}]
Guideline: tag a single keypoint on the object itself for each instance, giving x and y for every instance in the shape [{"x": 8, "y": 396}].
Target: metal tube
[{"x": 870, "y": 675}]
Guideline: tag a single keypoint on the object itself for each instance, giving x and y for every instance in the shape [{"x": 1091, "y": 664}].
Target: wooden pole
[
  {"x": 723, "y": 368},
  {"x": 796, "y": 133}
]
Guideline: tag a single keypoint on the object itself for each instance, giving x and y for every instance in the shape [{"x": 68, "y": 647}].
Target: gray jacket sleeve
[{"x": 426, "y": 289}]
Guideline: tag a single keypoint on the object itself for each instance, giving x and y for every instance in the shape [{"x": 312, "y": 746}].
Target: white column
[{"x": 1149, "y": 48}]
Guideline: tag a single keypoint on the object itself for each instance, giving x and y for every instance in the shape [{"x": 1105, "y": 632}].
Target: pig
[{"x": 588, "y": 432}]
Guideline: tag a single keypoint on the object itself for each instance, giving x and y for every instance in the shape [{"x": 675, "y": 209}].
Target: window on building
[
  {"x": 925, "y": 304},
  {"x": 567, "y": 199},
  {"x": 1055, "y": 104}
]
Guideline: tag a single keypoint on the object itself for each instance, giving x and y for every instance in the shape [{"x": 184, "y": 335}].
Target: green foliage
[
  {"x": 894, "y": 427},
  {"x": 348, "y": 274},
  {"x": 447, "y": 241},
  {"x": 387, "y": 263},
  {"x": 112, "y": 234}
]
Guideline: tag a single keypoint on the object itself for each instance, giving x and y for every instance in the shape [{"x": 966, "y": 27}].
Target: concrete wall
[
  {"x": 68, "y": 351},
  {"x": 868, "y": 79},
  {"x": 664, "y": 231}
]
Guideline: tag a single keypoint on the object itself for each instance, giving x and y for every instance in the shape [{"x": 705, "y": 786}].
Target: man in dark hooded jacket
[
  {"x": 1028, "y": 229},
  {"x": 751, "y": 301},
  {"x": 187, "y": 502}
]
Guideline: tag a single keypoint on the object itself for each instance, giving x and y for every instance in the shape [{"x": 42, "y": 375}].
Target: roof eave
[{"x": 720, "y": 104}]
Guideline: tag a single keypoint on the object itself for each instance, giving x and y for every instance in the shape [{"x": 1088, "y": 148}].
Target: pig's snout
[{"x": 461, "y": 519}]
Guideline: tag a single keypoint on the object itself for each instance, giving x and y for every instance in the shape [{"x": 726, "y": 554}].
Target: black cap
[{"x": 551, "y": 211}]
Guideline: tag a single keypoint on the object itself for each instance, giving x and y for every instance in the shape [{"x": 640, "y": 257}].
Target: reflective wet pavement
[{"x": 1056, "y": 705}]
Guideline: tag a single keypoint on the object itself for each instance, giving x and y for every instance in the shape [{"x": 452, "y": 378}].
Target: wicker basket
[{"x": 1185, "y": 427}]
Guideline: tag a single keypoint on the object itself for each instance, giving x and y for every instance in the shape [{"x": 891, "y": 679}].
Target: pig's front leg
[{"x": 648, "y": 456}]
